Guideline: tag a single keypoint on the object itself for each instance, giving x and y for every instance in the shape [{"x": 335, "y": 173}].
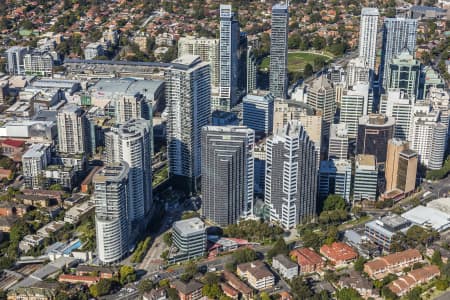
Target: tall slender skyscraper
[
  {"x": 227, "y": 173},
  {"x": 398, "y": 34},
  {"x": 404, "y": 74},
  {"x": 73, "y": 130},
  {"x": 291, "y": 176},
  {"x": 188, "y": 96},
  {"x": 278, "y": 79},
  {"x": 356, "y": 102},
  {"x": 400, "y": 106},
  {"x": 229, "y": 55},
  {"x": 368, "y": 35},
  {"x": 131, "y": 143},
  {"x": 111, "y": 219},
  {"x": 251, "y": 70},
  {"x": 321, "y": 96}
]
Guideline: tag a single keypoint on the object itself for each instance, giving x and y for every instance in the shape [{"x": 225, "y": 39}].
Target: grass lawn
[
  {"x": 296, "y": 60},
  {"x": 354, "y": 223}
]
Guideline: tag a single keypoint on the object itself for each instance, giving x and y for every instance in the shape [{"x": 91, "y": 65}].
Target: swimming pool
[{"x": 74, "y": 246}]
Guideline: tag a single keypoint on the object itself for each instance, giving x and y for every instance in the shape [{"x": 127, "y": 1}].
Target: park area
[{"x": 298, "y": 60}]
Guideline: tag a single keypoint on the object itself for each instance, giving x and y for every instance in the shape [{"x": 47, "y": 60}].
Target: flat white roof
[{"x": 428, "y": 217}]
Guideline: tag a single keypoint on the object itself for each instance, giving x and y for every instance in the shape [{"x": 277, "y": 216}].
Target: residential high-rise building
[
  {"x": 366, "y": 178},
  {"x": 251, "y": 70},
  {"x": 111, "y": 220},
  {"x": 291, "y": 176},
  {"x": 229, "y": 47},
  {"x": 368, "y": 35},
  {"x": 130, "y": 142},
  {"x": 428, "y": 135},
  {"x": 189, "y": 236},
  {"x": 335, "y": 177},
  {"x": 404, "y": 74},
  {"x": 398, "y": 105},
  {"x": 321, "y": 97},
  {"x": 73, "y": 130},
  {"x": 258, "y": 111},
  {"x": 355, "y": 103},
  {"x": 357, "y": 71},
  {"x": 430, "y": 78},
  {"x": 286, "y": 111},
  {"x": 38, "y": 63},
  {"x": 278, "y": 79},
  {"x": 338, "y": 145},
  {"x": 374, "y": 132},
  {"x": 401, "y": 167},
  {"x": 129, "y": 107},
  {"x": 398, "y": 34},
  {"x": 242, "y": 63},
  {"x": 34, "y": 161},
  {"x": 15, "y": 56},
  {"x": 207, "y": 49},
  {"x": 227, "y": 173},
  {"x": 188, "y": 96}
]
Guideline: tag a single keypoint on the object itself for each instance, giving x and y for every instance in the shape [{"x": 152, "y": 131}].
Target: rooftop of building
[
  {"x": 187, "y": 288},
  {"x": 306, "y": 256},
  {"x": 257, "y": 269},
  {"x": 428, "y": 217},
  {"x": 113, "y": 172},
  {"x": 127, "y": 86},
  {"x": 389, "y": 225},
  {"x": 189, "y": 226},
  {"x": 393, "y": 259},
  {"x": 366, "y": 160},
  {"x": 35, "y": 151},
  {"x": 370, "y": 11},
  {"x": 376, "y": 120},
  {"x": 338, "y": 251},
  {"x": 285, "y": 261},
  {"x": 339, "y": 130},
  {"x": 187, "y": 60}
]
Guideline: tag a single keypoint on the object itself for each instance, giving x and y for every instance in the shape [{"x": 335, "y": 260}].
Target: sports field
[{"x": 296, "y": 60}]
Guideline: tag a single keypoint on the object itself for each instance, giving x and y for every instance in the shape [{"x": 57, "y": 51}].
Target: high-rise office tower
[
  {"x": 338, "y": 145},
  {"x": 291, "y": 176},
  {"x": 278, "y": 79},
  {"x": 311, "y": 119},
  {"x": 251, "y": 70},
  {"x": 430, "y": 78},
  {"x": 374, "y": 132},
  {"x": 398, "y": 34},
  {"x": 356, "y": 102},
  {"x": 229, "y": 48},
  {"x": 15, "y": 56},
  {"x": 368, "y": 35},
  {"x": 404, "y": 74},
  {"x": 188, "y": 96},
  {"x": 335, "y": 177},
  {"x": 357, "y": 71},
  {"x": 73, "y": 130},
  {"x": 398, "y": 105},
  {"x": 321, "y": 96},
  {"x": 130, "y": 142},
  {"x": 366, "y": 178},
  {"x": 207, "y": 49},
  {"x": 111, "y": 221},
  {"x": 34, "y": 162},
  {"x": 401, "y": 167},
  {"x": 38, "y": 63},
  {"x": 258, "y": 111},
  {"x": 227, "y": 173},
  {"x": 428, "y": 135}
]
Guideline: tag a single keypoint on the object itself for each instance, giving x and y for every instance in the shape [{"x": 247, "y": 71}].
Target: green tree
[
  {"x": 264, "y": 296},
  {"x": 436, "y": 258},
  {"x": 348, "y": 294},
  {"x": 279, "y": 247},
  {"x": 172, "y": 294},
  {"x": 244, "y": 255},
  {"x": 211, "y": 278},
  {"x": 441, "y": 284},
  {"x": 211, "y": 291},
  {"x": 167, "y": 238},
  {"x": 388, "y": 294},
  {"x": 333, "y": 202},
  {"x": 308, "y": 70},
  {"x": 102, "y": 288},
  {"x": 359, "y": 264},
  {"x": 56, "y": 187},
  {"x": 127, "y": 274},
  {"x": 300, "y": 289},
  {"x": 145, "y": 285}
]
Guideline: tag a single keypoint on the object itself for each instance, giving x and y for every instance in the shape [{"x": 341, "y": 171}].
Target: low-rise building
[
  {"x": 286, "y": 267},
  {"x": 360, "y": 283},
  {"x": 406, "y": 283},
  {"x": 188, "y": 291},
  {"x": 50, "y": 229},
  {"x": 75, "y": 279},
  {"x": 382, "y": 231},
  {"x": 229, "y": 291},
  {"x": 238, "y": 285},
  {"x": 189, "y": 239},
  {"x": 156, "y": 294},
  {"x": 392, "y": 263},
  {"x": 30, "y": 241},
  {"x": 13, "y": 149},
  {"x": 34, "y": 200},
  {"x": 257, "y": 274},
  {"x": 32, "y": 293},
  {"x": 308, "y": 260},
  {"x": 428, "y": 217},
  {"x": 339, "y": 253},
  {"x": 102, "y": 272},
  {"x": 75, "y": 213}
]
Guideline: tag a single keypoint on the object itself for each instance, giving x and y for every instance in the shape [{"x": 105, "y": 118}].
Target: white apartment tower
[
  {"x": 400, "y": 106},
  {"x": 207, "y": 49},
  {"x": 338, "y": 144},
  {"x": 291, "y": 176},
  {"x": 111, "y": 221},
  {"x": 130, "y": 142},
  {"x": 357, "y": 71},
  {"x": 229, "y": 64},
  {"x": 34, "y": 161},
  {"x": 368, "y": 35},
  {"x": 356, "y": 102},
  {"x": 321, "y": 97},
  {"x": 188, "y": 96},
  {"x": 73, "y": 130}
]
